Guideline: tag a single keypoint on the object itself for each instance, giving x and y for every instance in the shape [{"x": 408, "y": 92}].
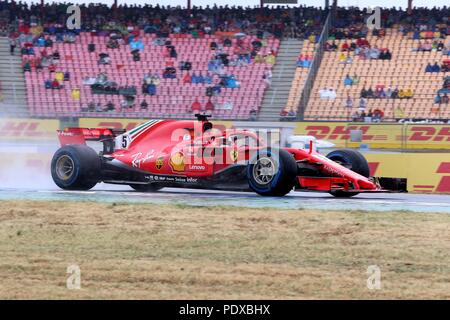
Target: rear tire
[
  {"x": 146, "y": 187},
  {"x": 76, "y": 167},
  {"x": 272, "y": 173},
  {"x": 352, "y": 160}
]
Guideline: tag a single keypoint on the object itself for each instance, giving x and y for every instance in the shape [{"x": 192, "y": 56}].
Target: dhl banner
[
  {"x": 127, "y": 124},
  {"x": 28, "y": 129},
  {"x": 380, "y": 136},
  {"x": 426, "y": 172}
]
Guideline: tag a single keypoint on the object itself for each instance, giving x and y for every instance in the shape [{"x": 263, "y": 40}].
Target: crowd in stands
[
  {"x": 34, "y": 32},
  {"x": 296, "y": 22}
]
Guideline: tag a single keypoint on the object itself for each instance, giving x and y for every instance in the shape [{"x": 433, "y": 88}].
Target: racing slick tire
[
  {"x": 146, "y": 187},
  {"x": 75, "y": 167},
  {"x": 352, "y": 160},
  {"x": 272, "y": 172}
]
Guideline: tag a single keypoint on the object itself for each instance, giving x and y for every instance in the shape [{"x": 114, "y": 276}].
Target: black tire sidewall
[
  {"x": 359, "y": 165},
  {"x": 86, "y": 167},
  {"x": 357, "y": 160}
]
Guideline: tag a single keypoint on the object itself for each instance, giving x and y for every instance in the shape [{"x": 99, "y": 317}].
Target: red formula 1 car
[{"x": 195, "y": 154}]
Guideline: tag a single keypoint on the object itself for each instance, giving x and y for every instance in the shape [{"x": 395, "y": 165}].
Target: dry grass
[{"x": 175, "y": 252}]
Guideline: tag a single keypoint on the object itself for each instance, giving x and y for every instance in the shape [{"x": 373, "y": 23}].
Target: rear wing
[{"x": 81, "y": 135}]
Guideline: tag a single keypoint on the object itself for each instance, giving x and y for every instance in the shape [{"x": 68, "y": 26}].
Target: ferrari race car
[{"x": 197, "y": 154}]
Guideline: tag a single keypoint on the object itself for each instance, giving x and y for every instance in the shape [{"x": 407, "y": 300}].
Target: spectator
[
  {"x": 91, "y": 47},
  {"x": 12, "y": 44},
  {"x": 445, "y": 99},
  {"x": 169, "y": 73},
  {"x": 98, "y": 107},
  {"x": 323, "y": 93},
  {"x": 362, "y": 104},
  {"x": 345, "y": 47},
  {"x": 91, "y": 107},
  {"x": 75, "y": 94},
  {"x": 196, "y": 106},
  {"x": 349, "y": 102},
  {"x": 144, "y": 105},
  {"x": 438, "y": 99},
  {"x": 385, "y": 54},
  {"x": 56, "y": 85},
  {"x": 48, "y": 84},
  {"x": 253, "y": 115},
  {"x": 331, "y": 94},
  {"x": 110, "y": 106},
  {"x": 209, "y": 105},
  {"x": 56, "y": 55},
  {"x": 187, "y": 79},
  {"x": 435, "y": 67},
  {"x": 389, "y": 92},
  {"x": 52, "y": 67},
  {"x": 26, "y": 66},
  {"x": 104, "y": 59},
  {"x": 197, "y": 79},
  {"x": 112, "y": 44},
  {"x": 377, "y": 115},
  {"x": 348, "y": 81},
  {"x": 270, "y": 59},
  {"x": 374, "y": 53},
  {"x": 227, "y": 42},
  {"x": 59, "y": 76}
]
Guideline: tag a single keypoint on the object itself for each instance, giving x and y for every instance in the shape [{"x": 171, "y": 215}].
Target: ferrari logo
[
  {"x": 159, "y": 163},
  {"x": 234, "y": 155},
  {"x": 177, "y": 161}
]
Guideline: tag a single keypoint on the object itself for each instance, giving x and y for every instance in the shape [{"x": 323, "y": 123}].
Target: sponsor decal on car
[
  {"x": 159, "y": 163},
  {"x": 196, "y": 167},
  {"x": 139, "y": 158},
  {"x": 177, "y": 161},
  {"x": 234, "y": 154},
  {"x": 158, "y": 178}
]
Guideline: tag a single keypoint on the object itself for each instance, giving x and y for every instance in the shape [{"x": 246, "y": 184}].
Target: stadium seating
[
  {"x": 405, "y": 70},
  {"x": 173, "y": 98}
]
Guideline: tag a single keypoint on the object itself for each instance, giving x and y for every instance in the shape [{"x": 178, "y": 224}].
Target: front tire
[
  {"x": 75, "y": 167},
  {"x": 272, "y": 173},
  {"x": 353, "y": 160}
]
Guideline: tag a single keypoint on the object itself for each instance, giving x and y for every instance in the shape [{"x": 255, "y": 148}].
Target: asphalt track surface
[{"x": 295, "y": 200}]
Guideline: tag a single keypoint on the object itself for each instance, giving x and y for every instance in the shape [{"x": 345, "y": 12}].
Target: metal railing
[{"x": 312, "y": 73}]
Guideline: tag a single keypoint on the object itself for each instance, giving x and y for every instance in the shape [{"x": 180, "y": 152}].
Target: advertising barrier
[
  {"x": 28, "y": 129},
  {"x": 379, "y": 136},
  {"x": 426, "y": 172}
]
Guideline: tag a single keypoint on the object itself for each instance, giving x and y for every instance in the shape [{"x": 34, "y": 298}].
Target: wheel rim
[
  {"x": 64, "y": 167},
  {"x": 264, "y": 170}
]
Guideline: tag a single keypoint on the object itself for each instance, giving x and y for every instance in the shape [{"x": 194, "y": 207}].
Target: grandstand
[
  {"x": 406, "y": 70},
  {"x": 173, "y": 98},
  {"x": 259, "y": 58}
]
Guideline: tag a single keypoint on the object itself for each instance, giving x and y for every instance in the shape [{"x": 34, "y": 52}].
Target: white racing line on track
[{"x": 195, "y": 197}]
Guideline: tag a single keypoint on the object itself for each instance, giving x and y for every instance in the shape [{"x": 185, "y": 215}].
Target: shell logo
[
  {"x": 159, "y": 163},
  {"x": 177, "y": 161}
]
